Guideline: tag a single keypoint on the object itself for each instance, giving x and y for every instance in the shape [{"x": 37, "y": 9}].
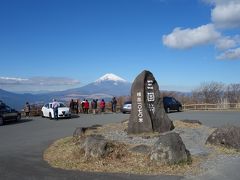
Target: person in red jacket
[
  {"x": 86, "y": 106},
  {"x": 102, "y": 106}
]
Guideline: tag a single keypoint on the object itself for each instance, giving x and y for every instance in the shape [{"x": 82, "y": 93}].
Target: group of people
[{"x": 76, "y": 106}]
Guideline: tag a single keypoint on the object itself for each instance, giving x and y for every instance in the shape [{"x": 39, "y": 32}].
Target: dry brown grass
[
  {"x": 180, "y": 124},
  {"x": 65, "y": 154}
]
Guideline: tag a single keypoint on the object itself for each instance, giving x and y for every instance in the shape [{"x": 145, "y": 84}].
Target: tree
[
  {"x": 209, "y": 92},
  {"x": 184, "y": 98},
  {"x": 233, "y": 93}
]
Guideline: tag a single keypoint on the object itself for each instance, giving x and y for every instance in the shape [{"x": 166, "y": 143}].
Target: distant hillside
[
  {"x": 14, "y": 100},
  {"x": 105, "y": 87}
]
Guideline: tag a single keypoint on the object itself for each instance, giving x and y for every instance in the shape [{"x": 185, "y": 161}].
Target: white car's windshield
[
  {"x": 62, "y": 105},
  {"x": 50, "y": 105}
]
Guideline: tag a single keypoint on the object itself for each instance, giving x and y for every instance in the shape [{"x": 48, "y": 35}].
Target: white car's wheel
[
  {"x": 1, "y": 121},
  {"x": 50, "y": 116},
  {"x": 42, "y": 114}
]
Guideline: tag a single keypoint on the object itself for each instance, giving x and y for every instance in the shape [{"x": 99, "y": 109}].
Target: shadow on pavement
[
  {"x": 75, "y": 116},
  {"x": 8, "y": 123}
]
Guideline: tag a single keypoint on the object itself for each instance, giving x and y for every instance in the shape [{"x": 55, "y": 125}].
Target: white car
[{"x": 63, "y": 111}]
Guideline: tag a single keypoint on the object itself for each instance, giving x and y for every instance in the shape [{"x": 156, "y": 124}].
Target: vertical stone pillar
[{"x": 148, "y": 114}]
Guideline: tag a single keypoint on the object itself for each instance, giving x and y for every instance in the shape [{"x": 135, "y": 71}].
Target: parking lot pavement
[
  {"x": 210, "y": 118},
  {"x": 22, "y": 145}
]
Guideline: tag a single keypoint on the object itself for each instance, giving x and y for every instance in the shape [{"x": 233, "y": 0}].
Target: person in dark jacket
[
  {"x": 114, "y": 104},
  {"x": 75, "y": 107},
  {"x": 72, "y": 106},
  {"x": 94, "y": 105}
]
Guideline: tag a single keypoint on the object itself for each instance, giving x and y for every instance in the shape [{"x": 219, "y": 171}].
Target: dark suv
[
  {"x": 171, "y": 104},
  {"x": 8, "y": 114}
]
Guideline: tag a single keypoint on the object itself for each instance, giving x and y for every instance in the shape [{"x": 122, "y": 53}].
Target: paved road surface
[
  {"x": 223, "y": 168},
  {"x": 22, "y": 146},
  {"x": 210, "y": 118}
]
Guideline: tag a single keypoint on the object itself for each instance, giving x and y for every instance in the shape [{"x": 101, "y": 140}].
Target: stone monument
[{"x": 148, "y": 114}]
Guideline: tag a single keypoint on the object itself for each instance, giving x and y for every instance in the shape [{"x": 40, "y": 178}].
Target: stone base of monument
[{"x": 109, "y": 148}]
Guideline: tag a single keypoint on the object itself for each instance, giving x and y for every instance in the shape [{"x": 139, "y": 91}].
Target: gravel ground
[{"x": 194, "y": 139}]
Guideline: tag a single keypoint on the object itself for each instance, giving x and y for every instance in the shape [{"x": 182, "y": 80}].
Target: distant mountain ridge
[{"x": 106, "y": 86}]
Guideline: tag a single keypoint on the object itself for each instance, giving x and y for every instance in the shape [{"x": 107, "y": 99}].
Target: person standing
[
  {"x": 78, "y": 106},
  {"x": 102, "y": 105},
  {"x": 72, "y": 106},
  {"x": 94, "y": 105},
  {"x": 114, "y": 104},
  {"x": 75, "y": 106},
  {"x": 86, "y": 106},
  {"x": 55, "y": 106},
  {"x": 27, "y": 110},
  {"x": 83, "y": 106}
]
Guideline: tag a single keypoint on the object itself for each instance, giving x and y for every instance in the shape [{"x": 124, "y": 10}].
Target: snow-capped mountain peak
[{"x": 110, "y": 77}]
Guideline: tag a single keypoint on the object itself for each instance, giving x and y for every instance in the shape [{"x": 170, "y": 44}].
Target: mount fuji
[
  {"x": 110, "y": 77},
  {"x": 105, "y": 87}
]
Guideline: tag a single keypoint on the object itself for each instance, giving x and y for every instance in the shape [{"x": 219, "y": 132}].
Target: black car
[
  {"x": 8, "y": 114},
  {"x": 171, "y": 104}
]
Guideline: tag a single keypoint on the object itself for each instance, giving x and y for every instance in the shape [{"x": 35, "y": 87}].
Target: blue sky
[{"x": 59, "y": 44}]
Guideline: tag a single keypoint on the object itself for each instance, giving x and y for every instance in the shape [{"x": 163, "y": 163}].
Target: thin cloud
[
  {"x": 54, "y": 81},
  {"x": 219, "y": 2},
  {"x": 39, "y": 81},
  {"x": 12, "y": 80},
  {"x": 227, "y": 42},
  {"x": 232, "y": 54},
  {"x": 187, "y": 38}
]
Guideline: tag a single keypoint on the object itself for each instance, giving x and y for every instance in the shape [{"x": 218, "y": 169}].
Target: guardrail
[
  {"x": 33, "y": 112},
  {"x": 206, "y": 106}
]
